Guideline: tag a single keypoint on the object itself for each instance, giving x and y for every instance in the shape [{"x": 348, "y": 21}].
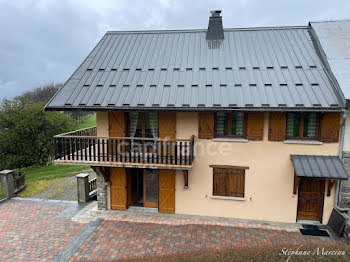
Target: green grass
[
  {"x": 88, "y": 121},
  {"x": 1, "y": 197},
  {"x": 40, "y": 178}
]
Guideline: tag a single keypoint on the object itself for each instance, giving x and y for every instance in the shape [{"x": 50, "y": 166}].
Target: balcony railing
[{"x": 84, "y": 147}]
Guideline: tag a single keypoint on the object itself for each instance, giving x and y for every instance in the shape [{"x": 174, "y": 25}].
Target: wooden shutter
[
  {"x": 228, "y": 182},
  {"x": 330, "y": 127},
  {"x": 277, "y": 126},
  {"x": 235, "y": 182},
  {"x": 167, "y": 125},
  {"x": 206, "y": 125},
  {"x": 255, "y": 126},
  {"x": 116, "y": 124},
  {"x": 118, "y": 188},
  {"x": 166, "y": 182},
  {"x": 219, "y": 182}
]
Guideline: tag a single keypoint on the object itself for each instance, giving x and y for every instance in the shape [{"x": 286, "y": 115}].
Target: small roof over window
[{"x": 313, "y": 166}]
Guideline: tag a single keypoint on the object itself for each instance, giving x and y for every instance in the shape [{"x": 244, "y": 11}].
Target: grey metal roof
[
  {"x": 253, "y": 68},
  {"x": 334, "y": 37},
  {"x": 312, "y": 166}
]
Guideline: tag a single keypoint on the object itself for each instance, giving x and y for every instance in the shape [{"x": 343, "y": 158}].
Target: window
[
  {"x": 143, "y": 124},
  {"x": 228, "y": 182},
  {"x": 302, "y": 126},
  {"x": 230, "y": 124}
]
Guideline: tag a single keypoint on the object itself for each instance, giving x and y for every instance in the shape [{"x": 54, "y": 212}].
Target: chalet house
[
  {"x": 240, "y": 123},
  {"x": 333, "y": 40}
]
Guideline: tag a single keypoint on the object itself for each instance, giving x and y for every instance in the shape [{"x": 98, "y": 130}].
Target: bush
[{"x": 26, "y": 132}]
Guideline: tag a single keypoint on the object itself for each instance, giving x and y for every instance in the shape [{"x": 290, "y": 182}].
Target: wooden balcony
[{"x": 83, "y": 147}]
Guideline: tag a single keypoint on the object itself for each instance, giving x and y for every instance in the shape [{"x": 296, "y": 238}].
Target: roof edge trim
[{"x": 205, "y": 30}]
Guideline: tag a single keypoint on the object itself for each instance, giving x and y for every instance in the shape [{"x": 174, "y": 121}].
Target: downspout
[{"x": 341, "y": 147}]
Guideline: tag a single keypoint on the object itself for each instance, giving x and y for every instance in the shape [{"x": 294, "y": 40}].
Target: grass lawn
[
  {"x": 89, "y": 121},
  {"x": 1, "y": 193},
  {"x": 40, "y": 178}
]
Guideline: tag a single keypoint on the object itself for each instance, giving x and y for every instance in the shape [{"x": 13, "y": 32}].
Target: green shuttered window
[
  {"x": 302, "y": 126},
  {"x": 230, "y": 124}
]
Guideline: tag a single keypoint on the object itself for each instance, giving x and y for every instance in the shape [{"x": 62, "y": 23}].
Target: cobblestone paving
[
  {"x": 46, "y": 230},
  {"x": 128, "y": 235},
  {"x": 35, "y": 230}
]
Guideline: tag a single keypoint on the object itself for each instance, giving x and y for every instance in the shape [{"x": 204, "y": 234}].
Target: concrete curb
[
  {"x": 68, "y": 251},
  {"x": 45, "y": 200}
]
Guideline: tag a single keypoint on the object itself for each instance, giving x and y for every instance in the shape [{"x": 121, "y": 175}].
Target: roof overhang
[
  {"x": 196, "y": 109},
  {"x": 315, "y": 166}
]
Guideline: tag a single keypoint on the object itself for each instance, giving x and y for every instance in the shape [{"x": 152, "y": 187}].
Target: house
[
  {"x": 333, "y": 41},
  {"x": 240, "y": 123}
]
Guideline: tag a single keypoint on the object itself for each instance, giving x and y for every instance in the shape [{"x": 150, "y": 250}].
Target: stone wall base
[
  {"x": 101, "y": 191},
  {"x": 344, "y": 194}
]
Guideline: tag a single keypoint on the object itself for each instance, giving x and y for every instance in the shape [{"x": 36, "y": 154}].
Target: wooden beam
[
  {"x": 225, "y": 166},
  {"x": 104, "y": 171},
  {"x": 185, "y": 173},
  {"x": 121, "y": 164},
  {"x": 296, "y": 184},
  {"x": 330, "y": 186}
]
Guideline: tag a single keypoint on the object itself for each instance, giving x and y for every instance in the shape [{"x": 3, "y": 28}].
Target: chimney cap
[{"x": 215, "y": 13}]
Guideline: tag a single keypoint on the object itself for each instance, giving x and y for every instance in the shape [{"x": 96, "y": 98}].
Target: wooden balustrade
[
  {"x": 90, "y": 131},
  {"x": 92, "y": 186},
  {"x": 128, "y": 150}
]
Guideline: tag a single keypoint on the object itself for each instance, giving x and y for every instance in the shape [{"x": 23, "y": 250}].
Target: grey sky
[{"x": 44, "y": 41}]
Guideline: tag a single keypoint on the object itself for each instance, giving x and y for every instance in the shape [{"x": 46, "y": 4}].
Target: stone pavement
[
  {"x": 37, "y": 230},
  {"x": 130, "y": 234},
  {"x": 48, "y": 230}
]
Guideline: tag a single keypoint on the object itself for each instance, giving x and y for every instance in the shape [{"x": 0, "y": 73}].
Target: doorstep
[
  {"x": 309, "y": 222},
  {"x": 142, "y": 210}
]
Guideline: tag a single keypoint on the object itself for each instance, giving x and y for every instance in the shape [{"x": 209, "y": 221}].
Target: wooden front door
[
  {"x": 310, "y": 199},
  {"x": 118, "y": 189},
  {"x": 166, "y": 191}
]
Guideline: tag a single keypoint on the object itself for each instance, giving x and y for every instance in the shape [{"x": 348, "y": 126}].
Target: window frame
[
  {"x": 301, "y": 128},
  {"x": 143, "y": 124},
  {"x": 227, "y": 174},
  {"x": 229, "y": 126}
]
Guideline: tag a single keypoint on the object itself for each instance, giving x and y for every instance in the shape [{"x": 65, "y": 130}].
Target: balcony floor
[{"x": 124, "y": 164}]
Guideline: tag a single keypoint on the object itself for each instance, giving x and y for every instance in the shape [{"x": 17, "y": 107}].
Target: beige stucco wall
[
  {"x": 268, "y": 184},
  {"x": 347, "y": 133}
]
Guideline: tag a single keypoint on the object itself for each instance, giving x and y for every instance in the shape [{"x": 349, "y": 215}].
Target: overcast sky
[{"x": 44, "y": 41}]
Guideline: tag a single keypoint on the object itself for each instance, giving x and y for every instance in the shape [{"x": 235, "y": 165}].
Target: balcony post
[
  {"x": 185, "y": 173},
  {"x": 83, "y": 187}
]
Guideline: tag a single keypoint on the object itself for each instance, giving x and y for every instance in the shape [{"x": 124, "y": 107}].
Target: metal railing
[{"x": 19, "y": 181}]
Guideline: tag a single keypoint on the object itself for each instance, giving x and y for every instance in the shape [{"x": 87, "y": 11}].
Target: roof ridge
[
  {"x": 204, "y": 30},
  {"x": 331, "y": 20}
]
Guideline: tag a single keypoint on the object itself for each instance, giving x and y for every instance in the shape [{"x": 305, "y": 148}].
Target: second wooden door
[{"x": 310, "y": 199}]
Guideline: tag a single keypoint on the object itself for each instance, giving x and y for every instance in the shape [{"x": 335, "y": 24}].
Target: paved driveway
[
  {"x": 42, "y": 230},
  {"x": 120, "y": 239},
  {"x": 35, "y": 230}
]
